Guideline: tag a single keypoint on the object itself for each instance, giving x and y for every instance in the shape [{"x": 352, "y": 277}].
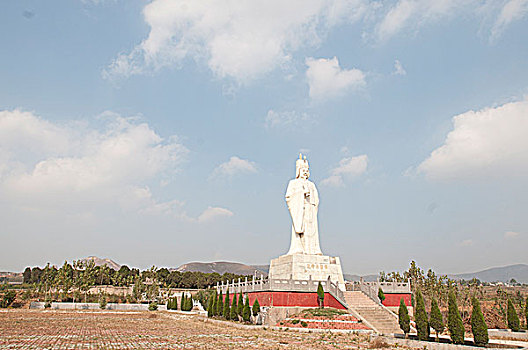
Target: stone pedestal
[{"x": 307, "y": 266}]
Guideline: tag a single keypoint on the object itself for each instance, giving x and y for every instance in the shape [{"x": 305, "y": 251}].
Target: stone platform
[{"x": 307, "y": 267}]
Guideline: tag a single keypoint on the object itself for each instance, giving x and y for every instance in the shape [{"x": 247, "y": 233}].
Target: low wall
[
  {"x": 393, "y": 299},
  {"x": 94, "y": 306},
  {"x": 291, "y": 299}
]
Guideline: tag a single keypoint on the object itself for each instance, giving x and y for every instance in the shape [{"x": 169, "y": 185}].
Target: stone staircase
[{"x": 381, "y": 319}]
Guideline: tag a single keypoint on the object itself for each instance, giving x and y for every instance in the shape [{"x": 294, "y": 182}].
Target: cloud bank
[{"x": 485, "y": 143}]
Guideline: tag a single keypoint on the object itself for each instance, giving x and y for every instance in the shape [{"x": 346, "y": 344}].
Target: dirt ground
[{"x": 51, "y": 329}]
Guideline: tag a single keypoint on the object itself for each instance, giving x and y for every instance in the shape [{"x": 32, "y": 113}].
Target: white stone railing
[{"x": 266, "y": 284}]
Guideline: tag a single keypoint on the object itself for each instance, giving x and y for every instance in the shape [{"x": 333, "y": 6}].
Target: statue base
[{"x": 306, "y": 267}]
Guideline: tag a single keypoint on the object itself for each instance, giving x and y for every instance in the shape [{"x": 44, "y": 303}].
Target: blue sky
[{"x": 162, "y": 132}]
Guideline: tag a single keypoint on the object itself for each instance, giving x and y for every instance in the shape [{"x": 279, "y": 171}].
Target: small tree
[
  {"x": 256, "y": 307},
  {"x": 526, "y": 313},
  {"x": 153, "y": 306},
  {"x": 182, "y": 302},
  {"x": 102, "y": 301},
  {"x": 454, "y": 321},
  {"x": 211, "y": 307},
  {"x": 436, "y": 321},
  {"x": 478, "y": 325},
  {"x": 381, "y": 295},
  {"x": 233, "y": 313},
  {"x": 420, "y": 317},
  {"x": 246, "y": 312},
  {"x": 189, "y": 303},
  {"x": 220, "y": 305},
  {"x": 240, "y": 304},
  {"x": 403, "y": 318},
  {"x": 320, "y": 295},
  {"x": 226, "y": 306},
  {"x": 513, "y": 318}
]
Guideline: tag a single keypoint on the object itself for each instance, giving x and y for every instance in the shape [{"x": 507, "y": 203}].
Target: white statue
[{"x": 303, "y": 200}]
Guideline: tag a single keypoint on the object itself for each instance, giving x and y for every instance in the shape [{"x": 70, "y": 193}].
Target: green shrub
[
  {"x": 256, "y": 307},
  {"x": 233, "y": 313},
  {"x": 183, "y": 302},
  {"x": 403, "y": 318},
  {"x": 240, "y": 304},
  {"x": 226, "y": 311},
  {"x": 153, "y": 306},
  {"x": 102, "y": 302},
  {"x": 513, "y": 318},
  {"x": 420, "y": 317},
  {"x": 295, "y": 321},
  {"x": 454, "y": 321},
  {"x": 381, "y": 295},
  {"x": 246, "y": 312},
  {"x": 478, "y": 325},
  {"x": 211, "y": 306},
  {"x": 220, "y": 305},
  {"x": 8, "y": 298},
  {"x": 304, "y": 324},
  {"x": 435, "y": 319},
  {"x": 320, "y": 295}
]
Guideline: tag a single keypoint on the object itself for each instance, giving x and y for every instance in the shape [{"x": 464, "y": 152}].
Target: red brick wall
[
  {"x": 393, "y": 299},
  {"x": 301, "y": 299}
]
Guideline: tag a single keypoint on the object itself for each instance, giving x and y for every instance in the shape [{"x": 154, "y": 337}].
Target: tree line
[{"x": 80, "y": 276}]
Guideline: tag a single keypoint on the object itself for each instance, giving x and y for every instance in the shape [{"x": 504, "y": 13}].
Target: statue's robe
[{"x": 303, "y": 211}]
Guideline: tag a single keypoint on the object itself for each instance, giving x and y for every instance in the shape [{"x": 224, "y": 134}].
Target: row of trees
[
  {"x": 455, "y": 325},
  {"x": 186, "y": 303},
  {"x": 218, "y": 306},
  {"x": 438, "y": 287},
  {"x": 80, "y": 276}
]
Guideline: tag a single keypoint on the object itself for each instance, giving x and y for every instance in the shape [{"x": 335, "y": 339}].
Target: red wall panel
[
  {"x": 301, "y": 299},
  {"x": 393, "y": 299}
]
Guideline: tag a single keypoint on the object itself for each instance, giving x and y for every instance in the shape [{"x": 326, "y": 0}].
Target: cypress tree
[
  {"x": 234, "y": 315},
  {"x": 182, "y": 302},
  {"x": 513, "y": 318},
  {"x": 211, "y": 306},
  {"x": 478, "y": 325},
  {"x": 246, "y": 312},
  {"x": 403, "y": 318},
  {"x": 454, "y": 321},
  {"x": 256, "y": 307},
  {"x": 526, "y": 313},
  {"x": 190, "y": 303},
  {"x": 226, "y": 306},
  {"x": 381, "y": 295},
  {"x": 220, "y": 305},
  {"x": 240, "y": 304},
  {"x": 320, "y": 295},
  {"x": 420, "y": 317},
  {"x": 436, "y": 320}
]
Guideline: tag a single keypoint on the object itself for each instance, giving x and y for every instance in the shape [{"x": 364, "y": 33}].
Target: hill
[
  {"x": 100, "y": 262},
  {"x": 221, "y": 267},
  {"x": 497, "y": 274}
]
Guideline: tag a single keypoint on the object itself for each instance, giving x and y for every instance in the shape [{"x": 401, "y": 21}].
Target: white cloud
[
  {"x": 415, "y": 13},
  {"x": 512, "y": 11},
  {"x": 348, "y": 168},
  {"x": 234, "y": 166},
  {"x": 398, "y": 68},
  {"x": 511, "y": 234},
  {"x": 287, "y": 118},
  {"x": 489, "y": 142},
  {"x": 327, "y": 79},
  {"x": 239, "y": 40},
  {"x": 213, "y": 213}
]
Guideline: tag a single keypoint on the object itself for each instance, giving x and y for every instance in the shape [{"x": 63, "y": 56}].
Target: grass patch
[{"x": 326, "y": 312}]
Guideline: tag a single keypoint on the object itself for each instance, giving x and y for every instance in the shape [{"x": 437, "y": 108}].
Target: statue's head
[{"x": 302, "y": 169}]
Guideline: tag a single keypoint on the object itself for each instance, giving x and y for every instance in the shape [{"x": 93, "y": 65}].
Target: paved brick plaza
[{"x": 46, "y": 329}]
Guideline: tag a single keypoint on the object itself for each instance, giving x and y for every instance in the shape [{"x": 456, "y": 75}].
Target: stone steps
[{"x": 381, "y": 319}]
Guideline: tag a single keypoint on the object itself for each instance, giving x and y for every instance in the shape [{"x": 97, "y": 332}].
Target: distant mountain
[
  {"x": 221, "y": 267},
  {"x": 497, "y": 274},
  {"x": 101, "y": 262}
]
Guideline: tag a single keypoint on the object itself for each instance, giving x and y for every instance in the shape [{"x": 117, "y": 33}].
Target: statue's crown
[{"x": 301, "y": 163}]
